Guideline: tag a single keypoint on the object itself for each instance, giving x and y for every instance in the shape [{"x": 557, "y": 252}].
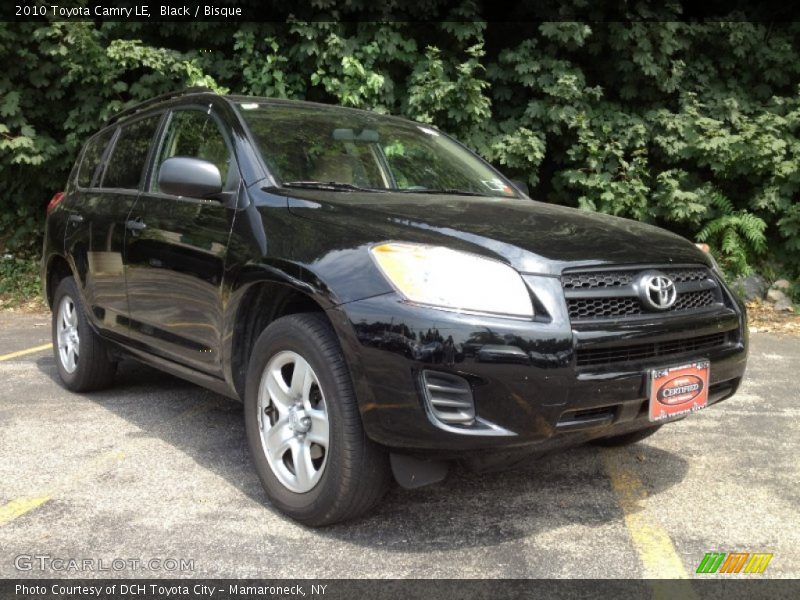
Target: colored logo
[
  {"x": 734, "y": 562},
  {"x": 680, "y": 390}
]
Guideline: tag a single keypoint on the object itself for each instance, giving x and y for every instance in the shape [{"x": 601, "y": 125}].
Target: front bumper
[{"x": 525, "y": 375}]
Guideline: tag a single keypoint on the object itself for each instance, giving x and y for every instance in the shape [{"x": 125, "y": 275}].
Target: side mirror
[
  {"x": 193, "y": 177},
  {"x": 521, "y": 185}
]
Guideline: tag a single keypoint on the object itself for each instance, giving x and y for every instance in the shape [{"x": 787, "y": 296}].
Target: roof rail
[{"x": 147, "y": 103}]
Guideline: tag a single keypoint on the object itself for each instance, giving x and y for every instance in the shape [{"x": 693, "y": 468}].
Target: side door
[
  {"x": 108, "y": 183},
  {"x": 176, "y": 247}
]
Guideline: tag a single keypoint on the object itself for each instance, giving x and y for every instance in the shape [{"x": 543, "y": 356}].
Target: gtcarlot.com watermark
[{"x": 59, "y": 564}]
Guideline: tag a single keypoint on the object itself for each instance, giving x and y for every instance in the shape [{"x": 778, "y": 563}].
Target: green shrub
[
  {"x": 19, "y": 279},
  {"x": 693, "y": 126},
  {"x": 737, "y": 236}
]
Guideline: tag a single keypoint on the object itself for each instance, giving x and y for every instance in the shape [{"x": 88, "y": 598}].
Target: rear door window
[
  {"x": 129, "y": 156},
  {"x": 89, "y": 172}
]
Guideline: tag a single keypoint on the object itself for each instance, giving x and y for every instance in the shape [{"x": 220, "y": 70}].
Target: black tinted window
[
  {"x": 130, "y": 154},
  {"x": 89, "y": 171},
  {"x": 304, "y": 142},
  {"x": 196, "y": 134}
]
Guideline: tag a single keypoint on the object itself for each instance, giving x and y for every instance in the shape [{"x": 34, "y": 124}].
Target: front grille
[
  {"x": 601, "y": 279},
  {"x": 595, "y": 308},
  {"x": 689, "y": 300},
  {"x": 611, "y": 294},
  {"x": 637, "y": 352}
]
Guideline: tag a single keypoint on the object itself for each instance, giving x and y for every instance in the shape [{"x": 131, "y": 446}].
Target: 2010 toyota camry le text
[{"x": 382, "y": 300}]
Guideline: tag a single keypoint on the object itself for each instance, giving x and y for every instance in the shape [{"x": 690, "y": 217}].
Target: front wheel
[{"x": 303, "y": 426}]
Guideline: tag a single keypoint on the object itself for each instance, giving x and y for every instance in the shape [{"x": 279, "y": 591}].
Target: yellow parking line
[
  {"x": 19, "y": 353},
  {"x": 656, "y": 551},
  {"x": 20, "y": 506},
  {"x": 95, "y": 467}
]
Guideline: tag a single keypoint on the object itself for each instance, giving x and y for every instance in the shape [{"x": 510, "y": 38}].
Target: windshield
[{"x": 308, "y": 146}]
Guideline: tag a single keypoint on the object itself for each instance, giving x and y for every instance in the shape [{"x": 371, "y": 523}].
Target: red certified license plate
[{"x": 678, "y": 391}]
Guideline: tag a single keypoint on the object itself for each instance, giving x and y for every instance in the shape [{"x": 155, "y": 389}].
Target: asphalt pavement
[{"x": 155, "y": 473}]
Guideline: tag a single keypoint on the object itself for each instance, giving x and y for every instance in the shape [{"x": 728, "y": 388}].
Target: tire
[
  {"x": 626, "y": 439},
  {"x": 90, "y": 366},
  {"x": 345, "y": 473}
]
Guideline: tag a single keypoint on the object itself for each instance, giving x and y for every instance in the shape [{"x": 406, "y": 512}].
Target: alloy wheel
[
  {"x": 67, "y": 334},
  {"x": 293, "y": 421}
]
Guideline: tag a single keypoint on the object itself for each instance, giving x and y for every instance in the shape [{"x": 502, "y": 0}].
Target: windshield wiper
[
  {"x": 330, "y": 185},
  {"x": 452, "y": 191},
  {"x": 349, "y": 187}
]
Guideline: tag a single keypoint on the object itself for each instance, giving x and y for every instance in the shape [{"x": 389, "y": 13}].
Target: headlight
[{"x": 447, "y": 278}]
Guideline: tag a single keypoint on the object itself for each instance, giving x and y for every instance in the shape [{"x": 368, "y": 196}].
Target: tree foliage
[{"x": 694, "y": 126}]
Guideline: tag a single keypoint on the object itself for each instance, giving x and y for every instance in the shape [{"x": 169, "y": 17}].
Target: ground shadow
[{"x": 467, "y": 510}]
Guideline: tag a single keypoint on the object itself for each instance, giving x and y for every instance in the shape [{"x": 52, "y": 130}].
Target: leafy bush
[
  {"x": 737, "y": 235},
  {"x": 694, "y": 126},
  {"x": 19, "y": 279}
]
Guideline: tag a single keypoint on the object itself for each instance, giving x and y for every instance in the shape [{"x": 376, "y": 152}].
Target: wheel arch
[
  {"x": 57, "y": 269},
  {"x": 256, "y": 306}
]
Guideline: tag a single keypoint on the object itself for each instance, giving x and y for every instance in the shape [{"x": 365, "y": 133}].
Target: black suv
[{"x": 381, "y": 299}]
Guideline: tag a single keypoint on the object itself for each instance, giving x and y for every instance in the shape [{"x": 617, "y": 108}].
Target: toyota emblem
[{"x": 656, "y": 290}]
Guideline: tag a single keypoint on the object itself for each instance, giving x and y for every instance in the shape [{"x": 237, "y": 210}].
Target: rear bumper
[{"x": 525, "y": 375}]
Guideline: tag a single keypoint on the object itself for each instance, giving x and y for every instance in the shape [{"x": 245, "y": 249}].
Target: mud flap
[{"x": 412, "y": 473}]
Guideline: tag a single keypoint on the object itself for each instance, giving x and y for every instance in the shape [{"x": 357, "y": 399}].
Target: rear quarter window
[
  {"x": 89, "y": 172},
  {"x": 129, "y": 155}
]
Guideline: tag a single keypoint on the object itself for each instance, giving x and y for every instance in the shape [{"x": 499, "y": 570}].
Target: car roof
[
  {"x": 157, "y": 101},
  {"x": 175, "y": 98}
]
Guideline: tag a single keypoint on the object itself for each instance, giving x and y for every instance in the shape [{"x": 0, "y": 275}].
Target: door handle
[
  {"x": 135, "y": 225},
  {"x": 75, "y": 218}
]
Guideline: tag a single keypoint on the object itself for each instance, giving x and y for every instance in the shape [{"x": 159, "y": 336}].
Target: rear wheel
[
  {"x": 626, "y": 439},
  {"x": 82, "y": 357},
  {"x": 303, "y": 426}
]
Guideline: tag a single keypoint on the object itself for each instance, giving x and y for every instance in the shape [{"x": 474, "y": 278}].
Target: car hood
[{"x": 533, "y": 237}]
